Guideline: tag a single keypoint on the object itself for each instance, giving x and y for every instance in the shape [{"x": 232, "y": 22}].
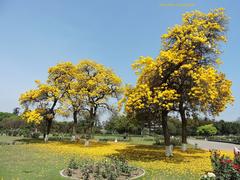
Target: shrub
[
  {"x": 25, "y": 132},
  {"x": 72, "y": 164},
  {"x": 113, "y": 139},
  {"x": 227, "y": 139},
  {"x": 158, "y": 139},
  {"x": 176, "y": 141},
  {"x": 35, "y": 135},
  {"x": 120, "y": 164}
]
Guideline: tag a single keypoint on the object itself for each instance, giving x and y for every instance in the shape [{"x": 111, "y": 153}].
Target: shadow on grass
[
  {"x": 148, "y": 153},
  {"x": 28, "y": 141},
  {"x": 92, "y": 143}
]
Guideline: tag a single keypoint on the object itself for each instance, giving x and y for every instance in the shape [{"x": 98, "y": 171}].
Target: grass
[
  {"x": 22, "y": 162},
  {"x": 146, "y": 140},
  {"x": 45, "y": 160},
  {"x": 9, "y": 139}
]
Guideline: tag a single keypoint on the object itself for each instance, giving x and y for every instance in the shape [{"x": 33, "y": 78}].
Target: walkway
[{"x": 212, "y": 145}]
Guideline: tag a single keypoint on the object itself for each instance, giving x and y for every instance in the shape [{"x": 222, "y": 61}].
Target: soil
[{"x": 77, "y": 174}]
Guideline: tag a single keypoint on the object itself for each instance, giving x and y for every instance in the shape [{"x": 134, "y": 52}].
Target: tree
[
  {"x": 40, "y": 105},
  {"x": 11, "y": 124},
  {"x": 192, "y": 47},
  {"x": 4, "y": 115},
  {"x": 167, "y": 83},
  {"x": 207, "y": 130},
  {"x": 122, "y": 124},
  {"x": 238, "y": 120},
  {"x": 71, "y": 89},
  {"x": 63, "y": 76},
  {"x": 16, "y": 111},
  {"x": 158, "y": 99},
  {"x": 227, "y": 128},
  {"x": 95, "y": 85}
]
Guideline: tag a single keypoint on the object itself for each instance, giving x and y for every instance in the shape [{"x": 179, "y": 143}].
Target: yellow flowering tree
[
  {"x": 40, "y": 104},
  {"x": 187, "y": 47},
  {"x": 63, "y": 76},
  {"x": 166, "y": 83},
  {"x": 160, "y": 100},
  {"x": 71, "y": 90},
  {"x": 96, "y": 85},
  {"x": 72, "y": 104}
]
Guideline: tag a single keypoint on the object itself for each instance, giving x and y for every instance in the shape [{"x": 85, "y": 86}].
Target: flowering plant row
[{"x": 223, "y": 167}]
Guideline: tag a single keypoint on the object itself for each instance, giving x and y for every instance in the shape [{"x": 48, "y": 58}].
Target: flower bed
[
  {"x": 109, "y": 168},
  {"x": 223, "y": 167}
]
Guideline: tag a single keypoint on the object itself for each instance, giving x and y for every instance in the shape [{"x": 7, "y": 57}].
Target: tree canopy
[
  {"x": 71, "y": 90},
  {"x": 184, "y": 76},
  {"x": 207, "y": 130}
]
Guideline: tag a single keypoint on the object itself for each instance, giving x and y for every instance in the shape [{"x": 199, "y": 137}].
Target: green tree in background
[{"x": 207, "y": 130}]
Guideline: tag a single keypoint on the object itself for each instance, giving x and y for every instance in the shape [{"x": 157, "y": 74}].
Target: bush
[
  {"x": 158, "y": 139},
  {"x": 16, "y": 132},
  {"x": 176, "y": 141},
  {"x": 73, "y": 164},
  {"x": 113, "y": 139},
  {"x": 35, "y": 135},
  {"x": 200, "y": 137},
  {"x": 25, "y": 132}
]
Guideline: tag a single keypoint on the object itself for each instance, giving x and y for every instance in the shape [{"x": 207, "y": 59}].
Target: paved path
[{"x": 212, "y": 145}]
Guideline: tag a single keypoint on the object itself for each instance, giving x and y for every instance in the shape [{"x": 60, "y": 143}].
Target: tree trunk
[
  {"x": 88, "y": 130},
  {"x": 92, "y": 122},
  {"x": 45, "y": 129},
  {"x": 86, "y": 142},
  {"x": 91, "y": 129},
  {"x": 184, "y": 129},
  {"x": 166, "y": 134},
  {"x": 49, "y": 125},
  {"x": 74, "y": 126}
]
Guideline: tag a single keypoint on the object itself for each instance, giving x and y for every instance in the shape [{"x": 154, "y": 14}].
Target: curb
[
  {"x": 61, "y": 173},
  {"x": 141, "y": 175}
]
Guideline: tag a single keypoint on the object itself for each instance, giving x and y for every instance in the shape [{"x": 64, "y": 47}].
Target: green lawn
[
  {"x": 22, "y": 162},
  {"x": 146, "y": 140},
  {"x": 9, "y": 139}
]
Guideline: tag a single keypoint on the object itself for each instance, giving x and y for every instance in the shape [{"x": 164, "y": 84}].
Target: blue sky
[{"x": 37, "y": 34}]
